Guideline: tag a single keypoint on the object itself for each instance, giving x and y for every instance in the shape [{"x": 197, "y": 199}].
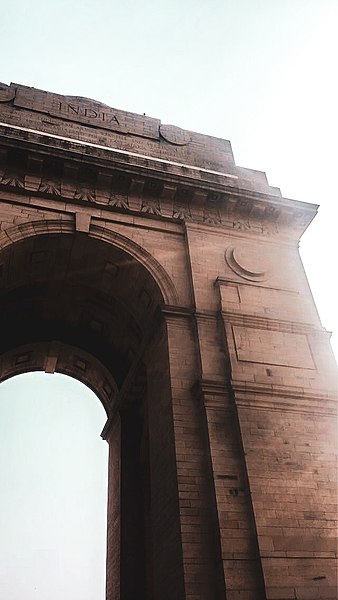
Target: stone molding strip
[
  {"x": 127, "y": 153},
  {"x": 285, "y": 398},
  {"x": 216, "y": 394}
]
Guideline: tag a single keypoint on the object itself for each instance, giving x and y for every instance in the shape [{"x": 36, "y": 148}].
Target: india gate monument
[{"x": 138, "y": 258}]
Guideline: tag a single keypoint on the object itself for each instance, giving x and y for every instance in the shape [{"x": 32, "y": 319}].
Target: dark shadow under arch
[
  {"x": 54, "y": 226},
  {"x": 79, "y": 305}
]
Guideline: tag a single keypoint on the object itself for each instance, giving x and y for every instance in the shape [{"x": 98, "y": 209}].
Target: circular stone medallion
[
  {"x": 7, "y": 93},
  {"x": 175, "y": 135},
  {"x": 243, "y": 262}
]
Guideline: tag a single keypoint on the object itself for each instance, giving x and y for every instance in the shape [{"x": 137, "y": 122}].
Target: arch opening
[
  {"x": 54, "y": 489},
  {"x": 85, "y": 308}
]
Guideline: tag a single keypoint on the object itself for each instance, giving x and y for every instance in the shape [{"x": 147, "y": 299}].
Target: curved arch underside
[
  {"x": 50, "y": 227},
  {"x": 78, "y": 305},
  {"x": 77, "y": 292}
]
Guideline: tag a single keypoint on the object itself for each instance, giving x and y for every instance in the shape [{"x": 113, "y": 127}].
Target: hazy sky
[
  {"x": 53, "y": 501},
  {"x": 261, "y": 73}
]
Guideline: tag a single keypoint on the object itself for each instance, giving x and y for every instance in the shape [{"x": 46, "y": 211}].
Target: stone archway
[
  {"x": 147, "y": 256},
  {"x": 89, "y": 309}
]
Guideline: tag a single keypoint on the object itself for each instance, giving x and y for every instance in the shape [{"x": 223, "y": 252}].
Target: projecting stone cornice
[
  {"x": 79, "y": 150},
  {"x": 270, "y": 324},
  {"x": 285, "y": 398},
  {"x": 220, "y": 395}
]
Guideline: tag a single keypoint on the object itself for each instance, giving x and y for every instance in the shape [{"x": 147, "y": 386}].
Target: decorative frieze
[{"x": 157, "y": 198}]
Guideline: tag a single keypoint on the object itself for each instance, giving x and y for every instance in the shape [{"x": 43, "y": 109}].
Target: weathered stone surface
[{"x": 138, "y": 258}]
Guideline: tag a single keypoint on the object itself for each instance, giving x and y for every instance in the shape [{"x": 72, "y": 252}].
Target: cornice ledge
[
  {"x": 122, "y": 157},
  {"x": 285, "y": 390},
  {"x": 170, "y": 310},
  {"x": 255, "y": 321},
  {"x": 207, "y": 315},
  {"x": 279, "y": 397},
  {"x": 211, "y": 201},
  {"x": 221, "y": 185},
  {"x": 216, "y": 387},
  {"x": 221, "y": 280},
  {"x": 213, "y": 394}
]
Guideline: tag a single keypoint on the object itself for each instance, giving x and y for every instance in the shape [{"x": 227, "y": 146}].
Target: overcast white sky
[
  {"x": 53, "y": 473},
  {"x": 261, "y": 73}
]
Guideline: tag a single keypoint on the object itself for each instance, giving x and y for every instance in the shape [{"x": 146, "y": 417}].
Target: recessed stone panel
[{"x": 272, "y": 347}]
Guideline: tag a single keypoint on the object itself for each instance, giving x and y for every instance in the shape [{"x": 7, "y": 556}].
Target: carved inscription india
[
  {"x": 97, "y": 115},
  {"x": 80, "y": 110}
]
